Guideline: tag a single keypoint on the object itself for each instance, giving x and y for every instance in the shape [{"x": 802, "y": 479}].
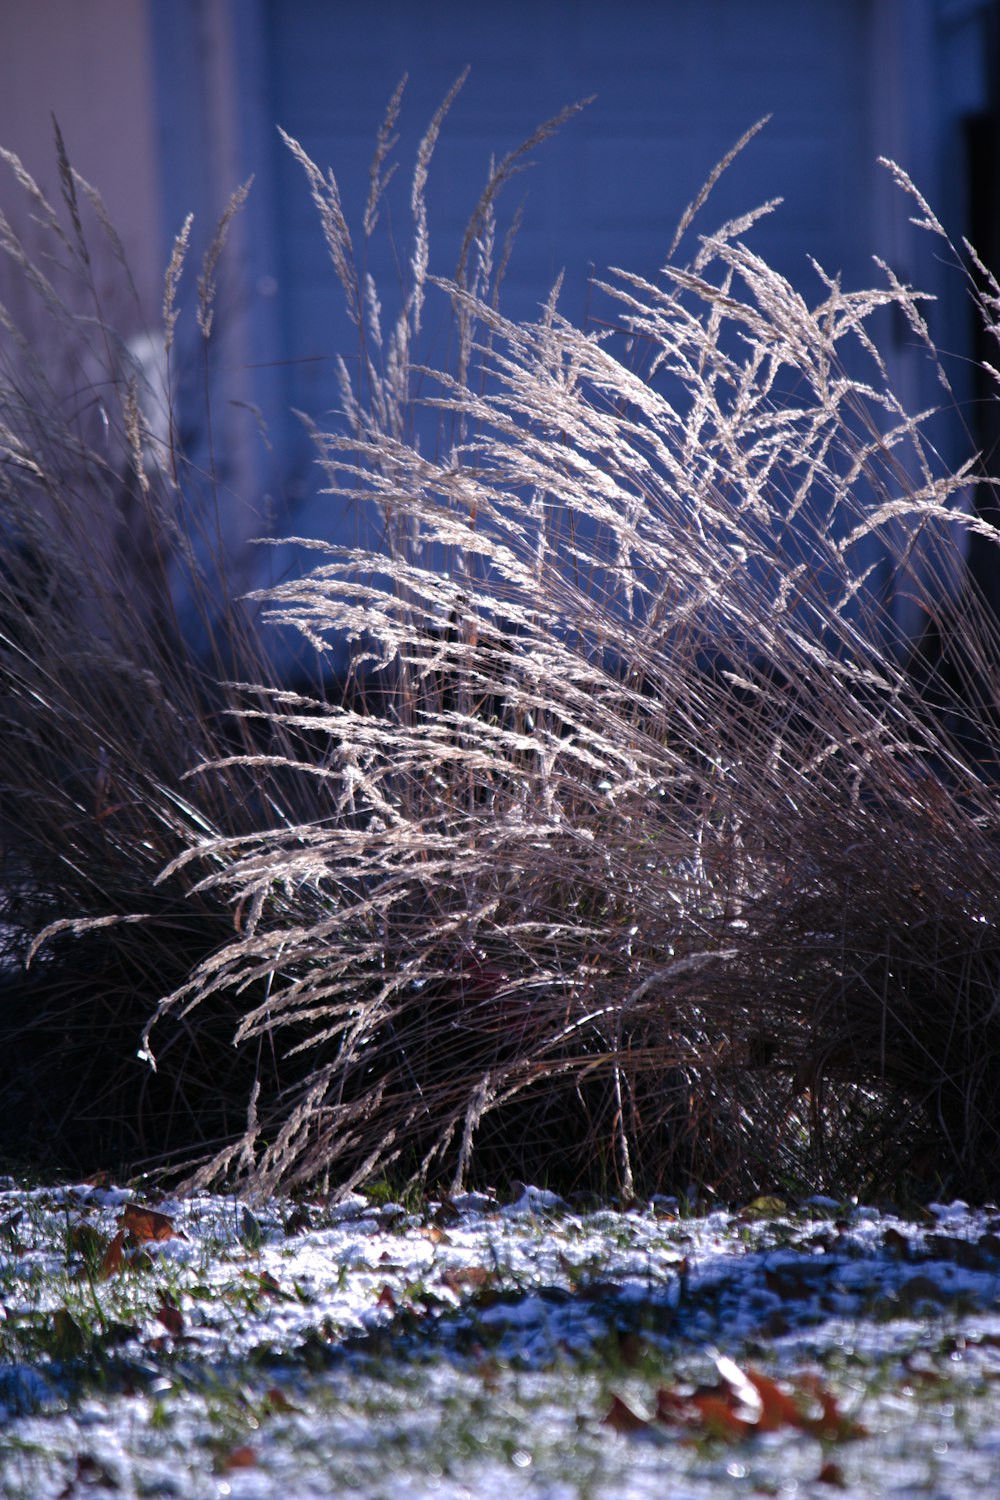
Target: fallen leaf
[
  {"x": 240, "y": 1458},
  {"x": 833, "y": 1425},
  {"x": 145, "y": 1224},
  {"x": 831, "y": 1473},
  {"x": 170, "y": 1315},
  {"x": 741, "y": 1389},
  {"x": 719, "y": 1416},
  {"x": 114, "y": 1257},
  {"x": 622, "y": 1418},
  {"x": 466, "y": 1278},
  {"x": 778, "y": 1407},
  {"x": 387, "y": 1298},
  {"x": 748, "y": 1401},
  {"x": 277, "y": 1401},
  {"x": 672, "y": 1409}
]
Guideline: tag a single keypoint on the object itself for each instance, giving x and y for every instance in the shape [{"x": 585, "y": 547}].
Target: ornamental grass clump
[
  {"x": 643, "y": 846},
  {"x": 649, "y": 855}
]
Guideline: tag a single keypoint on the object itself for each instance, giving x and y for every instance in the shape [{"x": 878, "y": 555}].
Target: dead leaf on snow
[
  {"x": 145, "y": 1224},
  {"x": 243, "y": 1457},
  {"x": 170, "y": 1315},
  {"x": 114, "y": 1257},
  {"x": 466, "y": 1279},
  {"x": 747, "y": 1401},
  {"x": 622, "y": 1418}
]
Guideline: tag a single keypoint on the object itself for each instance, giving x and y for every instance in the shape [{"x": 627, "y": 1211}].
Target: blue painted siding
[{"x": 676, "y": 84}]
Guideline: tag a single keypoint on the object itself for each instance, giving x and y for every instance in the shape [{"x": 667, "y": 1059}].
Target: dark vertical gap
[
  {"x": 946, "y": 665},
  {"x": 981, "y": 143}
]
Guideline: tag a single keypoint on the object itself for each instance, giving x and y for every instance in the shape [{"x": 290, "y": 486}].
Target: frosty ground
[{"x": 203, "y": 1347}]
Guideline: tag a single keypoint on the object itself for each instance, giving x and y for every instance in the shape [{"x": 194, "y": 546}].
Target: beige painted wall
[{"x": 86, "y": 61}]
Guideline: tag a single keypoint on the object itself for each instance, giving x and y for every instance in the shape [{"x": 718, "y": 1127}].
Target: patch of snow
[{"x": 475, "y": 1349}]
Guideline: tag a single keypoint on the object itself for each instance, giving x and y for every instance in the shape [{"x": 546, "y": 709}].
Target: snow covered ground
[{"x": 200, "y": 1348}]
